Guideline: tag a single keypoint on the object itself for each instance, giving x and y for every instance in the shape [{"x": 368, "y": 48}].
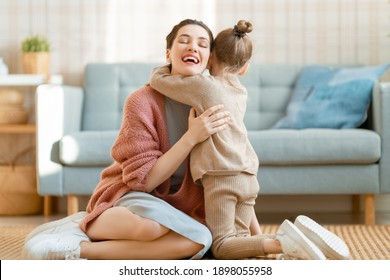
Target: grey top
[{"x": 177, "y": 122}]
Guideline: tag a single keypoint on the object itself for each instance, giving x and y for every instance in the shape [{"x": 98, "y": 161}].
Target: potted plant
[{"x": 36, "y": 55}]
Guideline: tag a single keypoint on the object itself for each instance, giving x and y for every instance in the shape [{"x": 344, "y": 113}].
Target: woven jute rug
[
  {"x": 11, "y": 241},
  {"x": 364, "y": 242}
]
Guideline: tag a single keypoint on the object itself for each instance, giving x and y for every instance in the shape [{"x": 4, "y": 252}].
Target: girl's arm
[
  {"x": 199, "y": 129},
  {"x": 189, "y": 90}
]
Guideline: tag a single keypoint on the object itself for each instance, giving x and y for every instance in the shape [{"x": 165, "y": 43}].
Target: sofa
[{"x": 76, "y": 127}]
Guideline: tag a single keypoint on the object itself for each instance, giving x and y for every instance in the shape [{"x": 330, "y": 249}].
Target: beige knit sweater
[{"x": 229, "y": 151}]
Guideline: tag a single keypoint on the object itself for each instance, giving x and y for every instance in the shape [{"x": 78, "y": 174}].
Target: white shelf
[
  {"x": 28, "y": 80},
  {"x": 22, "y": 80}
]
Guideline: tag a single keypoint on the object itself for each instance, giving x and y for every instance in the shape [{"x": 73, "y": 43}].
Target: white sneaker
[
  {"x": 58, "y": 246},
  {"x": 330, "y": 244},
  {"x": 295, "y": 244},
  {"x": 58, "y": 225},
  {"x": 56, "y": 240}
]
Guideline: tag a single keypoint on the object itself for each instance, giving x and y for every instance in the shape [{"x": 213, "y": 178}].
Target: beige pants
[{"x": 229, "y": 207}]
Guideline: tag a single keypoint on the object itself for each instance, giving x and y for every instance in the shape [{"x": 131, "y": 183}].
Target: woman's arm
[{"x": 199, "y": 129}]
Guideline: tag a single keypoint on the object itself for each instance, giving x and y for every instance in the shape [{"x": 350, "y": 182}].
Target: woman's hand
[{"x": 203, "y": 126}]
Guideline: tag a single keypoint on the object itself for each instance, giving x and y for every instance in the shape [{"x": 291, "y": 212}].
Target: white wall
[{"x": 286, "y": 31}]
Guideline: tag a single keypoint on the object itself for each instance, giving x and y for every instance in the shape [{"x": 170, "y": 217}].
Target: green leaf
[{"x": 35, "y": 44}]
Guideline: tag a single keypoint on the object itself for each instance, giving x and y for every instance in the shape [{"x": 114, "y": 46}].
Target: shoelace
[
  {"x": 285, "y": 257},
  {"x": 62, "y": 252},
  {"x": 71, "y": 256}
]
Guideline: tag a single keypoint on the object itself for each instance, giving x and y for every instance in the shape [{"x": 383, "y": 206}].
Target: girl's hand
[{"x": 209, "y": 122}]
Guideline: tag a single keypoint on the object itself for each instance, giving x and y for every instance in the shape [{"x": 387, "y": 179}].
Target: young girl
[{"x": 226, "y": 163}]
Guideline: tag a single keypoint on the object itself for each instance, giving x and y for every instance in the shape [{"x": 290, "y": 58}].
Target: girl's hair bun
[{"x": 242, "y": 28}]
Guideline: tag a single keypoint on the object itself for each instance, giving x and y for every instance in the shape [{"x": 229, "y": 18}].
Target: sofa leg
[
  {"x": 369, "y": 209},
  {"x": 355, "y": 203},
  {"x": 73, "y": 204},
  {"x": 47, "y": 205}
]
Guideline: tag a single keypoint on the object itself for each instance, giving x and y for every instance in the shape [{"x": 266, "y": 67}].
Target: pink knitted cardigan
[{"x": 142, "y": 139}]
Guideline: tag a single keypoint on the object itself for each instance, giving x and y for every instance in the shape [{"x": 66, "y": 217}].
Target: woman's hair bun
[{"x": 242, "y": 28}]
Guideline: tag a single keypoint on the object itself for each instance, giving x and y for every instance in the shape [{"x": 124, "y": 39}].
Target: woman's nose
[{"x": 192, "y": 48}]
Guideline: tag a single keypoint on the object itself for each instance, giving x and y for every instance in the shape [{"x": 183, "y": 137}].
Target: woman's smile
[{"x": 190, "y": 58}]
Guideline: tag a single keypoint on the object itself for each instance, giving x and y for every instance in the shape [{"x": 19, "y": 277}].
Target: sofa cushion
[
  {"x": 330, "y": 97},
  {"x": 87, "y": 148},
  {"x": 269, "y": 90},
  {"x": 273, "y": 147},
  {"x": 316, "y": 146},
  {"x": 106, "y": 88}
]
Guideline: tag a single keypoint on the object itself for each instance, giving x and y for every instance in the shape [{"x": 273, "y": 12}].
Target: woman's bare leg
[
  {"x": 171, "y": 246},
  {"x": 120, "y": 223},
  {"x": 123, "y": 235}
]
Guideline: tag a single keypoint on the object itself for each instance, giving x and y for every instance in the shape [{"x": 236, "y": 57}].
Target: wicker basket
[
  {"x": 11, "y": 107},
  {"x": 18, "y": 193},
  {"x": 13, "y": 115},
  {"x": 11, "y": 97}
]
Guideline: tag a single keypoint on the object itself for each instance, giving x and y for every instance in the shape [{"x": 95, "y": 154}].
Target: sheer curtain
[
  {"x": 136, "y": 30},
  {"x": 295, "y": 32},
  {"x": 314, "y": 31},
  {"x": 82, "y": 31}
]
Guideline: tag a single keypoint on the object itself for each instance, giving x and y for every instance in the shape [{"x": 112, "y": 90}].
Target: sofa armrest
[
  {"x": 381, "y": 107},
  {"x": 58, "y": 112}
]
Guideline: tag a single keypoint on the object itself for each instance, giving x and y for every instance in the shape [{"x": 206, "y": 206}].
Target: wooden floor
[{"x": 264, "y": 218}]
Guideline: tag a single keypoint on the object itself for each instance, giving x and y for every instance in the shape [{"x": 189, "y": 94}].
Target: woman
[{"x": 133, "y": 209}]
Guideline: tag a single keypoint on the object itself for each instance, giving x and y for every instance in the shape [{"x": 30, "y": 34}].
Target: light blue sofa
[{"x": 77, "y": 126}]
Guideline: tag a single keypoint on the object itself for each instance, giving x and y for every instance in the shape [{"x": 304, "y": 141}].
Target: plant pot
[{"x": 36, "y": 63}]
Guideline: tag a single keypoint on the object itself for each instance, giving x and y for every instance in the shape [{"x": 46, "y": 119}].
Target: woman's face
[{"x": 190, "y": 51}]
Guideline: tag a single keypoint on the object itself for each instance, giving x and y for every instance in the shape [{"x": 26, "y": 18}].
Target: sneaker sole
[
  {"x": 330, "y": 244},
  {"x": 312, "y": 252},
  {"x": 46, "y": 226}
]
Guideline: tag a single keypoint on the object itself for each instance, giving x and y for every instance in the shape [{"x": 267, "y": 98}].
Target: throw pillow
[{"x": 331, "y": 97}]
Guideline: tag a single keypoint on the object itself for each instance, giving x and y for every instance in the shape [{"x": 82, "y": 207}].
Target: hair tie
[{"x": 238, "y": 32}]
